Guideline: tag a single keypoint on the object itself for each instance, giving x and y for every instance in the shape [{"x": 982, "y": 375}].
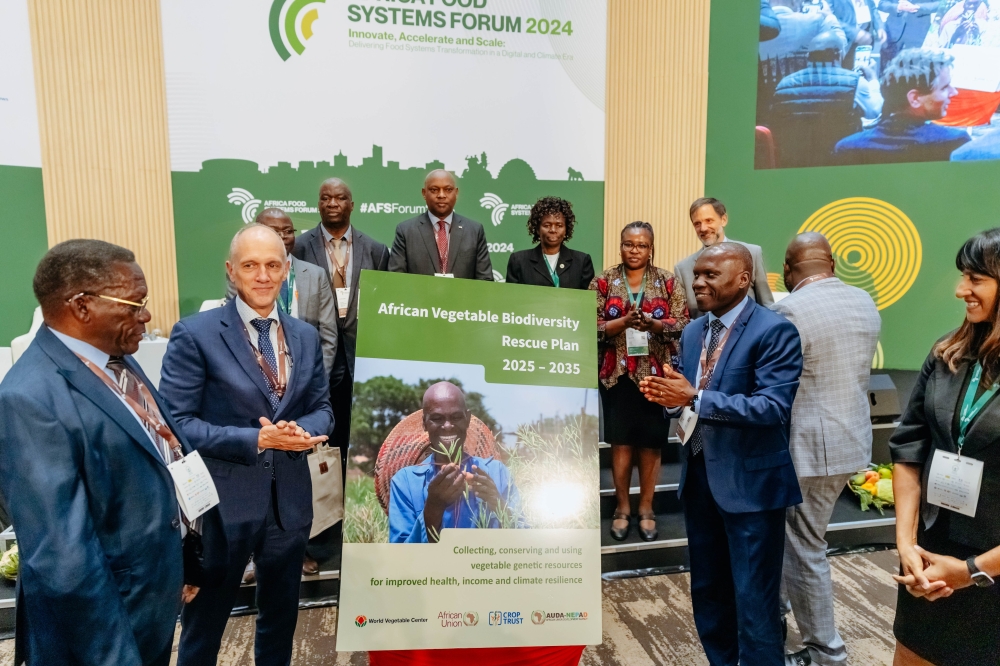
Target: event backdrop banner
[
  {"x": 267, "y": 98},
  {"x": 809, "y": 129},
  {"x": 477, "y": 528},
  {"x": 22, "y": 213}
]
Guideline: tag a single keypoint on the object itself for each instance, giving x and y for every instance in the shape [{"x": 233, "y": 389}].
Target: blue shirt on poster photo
[{"x": 408, "y": 495}]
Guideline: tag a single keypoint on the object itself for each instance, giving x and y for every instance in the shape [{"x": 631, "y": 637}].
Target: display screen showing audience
[{"x": 847, "y": 82}]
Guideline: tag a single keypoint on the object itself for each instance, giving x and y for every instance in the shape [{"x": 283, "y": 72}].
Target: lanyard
[
  {"x": 708, "y": 365},
  {"x": 635, "y": 300},
  {"x": 552, "y": 272},
  {"x": 970, "y": 408},
  {"x": 277, "y": 383},
  {"x": 153, "y": 422},
  {"x": 286, "y": 305},
  {"x": 341, "y": 270}
]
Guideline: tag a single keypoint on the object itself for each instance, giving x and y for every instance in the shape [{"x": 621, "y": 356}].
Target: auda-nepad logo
[
  {"x": 494, "y": 203},
  {"x": 290, "y": 23},
  {"x": 243, "y": 198}
]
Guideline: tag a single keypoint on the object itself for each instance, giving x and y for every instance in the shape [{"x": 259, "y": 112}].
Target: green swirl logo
[{"x": 291, "y": 24}]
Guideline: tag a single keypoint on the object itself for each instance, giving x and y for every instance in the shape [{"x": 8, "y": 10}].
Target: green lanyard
[
  {"x": 635, "y": 300},
  {"x": 552, "y": 272},
  {"x": 970, "y": 408},
  {"x": 286, "y": 306}
]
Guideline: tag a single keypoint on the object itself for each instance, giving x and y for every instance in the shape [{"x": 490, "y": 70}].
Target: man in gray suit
[
  {"x": 440, "y": 241},
  {"x": 306, "y": 294},
  {"x": 709, "y": 218},
  {"x": 831, "y": 436}
]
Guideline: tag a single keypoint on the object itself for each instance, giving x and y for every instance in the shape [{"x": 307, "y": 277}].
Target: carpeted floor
[{"x": 647, "y": 622}]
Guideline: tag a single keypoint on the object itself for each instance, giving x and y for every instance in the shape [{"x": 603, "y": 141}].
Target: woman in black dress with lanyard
[
  {"x": 551, "y": 263},
  {"x": 641, "y": 311},
  {"x": 946, "y": 484}
]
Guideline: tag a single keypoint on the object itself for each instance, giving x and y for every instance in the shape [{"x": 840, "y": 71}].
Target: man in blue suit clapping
[
  {"x": 739, "y": 371},
  {"x": 247, "y": 385}
]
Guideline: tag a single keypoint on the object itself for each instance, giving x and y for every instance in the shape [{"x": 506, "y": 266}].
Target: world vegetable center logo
[
  {"x": 290, "y": 23},
  {"x": 360, "y": 620}
]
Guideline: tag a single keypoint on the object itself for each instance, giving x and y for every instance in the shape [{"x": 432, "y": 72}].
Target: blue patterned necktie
[
  {"x": 697, "y": 443},
  {"x": 263, "y": 327}
]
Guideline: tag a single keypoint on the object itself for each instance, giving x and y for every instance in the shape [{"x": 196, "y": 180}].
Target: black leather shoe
[
  {"x": 644, "y": 534},
  {"x": 622, "y": 533},
  {"x": 800, "y": 658}
]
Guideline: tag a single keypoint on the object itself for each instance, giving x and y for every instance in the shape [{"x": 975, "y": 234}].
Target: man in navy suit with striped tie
[{"x": 247, "y": 386}]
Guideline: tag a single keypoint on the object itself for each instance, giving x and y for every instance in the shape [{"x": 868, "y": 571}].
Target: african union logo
[
  {"x": 492, "y": 201},
  {"x": 291, "y": 23},
  {"x": 471, "y": 618},
  {"x": 241, "y": 197},
  {"x": 538, "y": 617},
  {"x": 361, "y": 620},
  {"x": 875, "y": 246}
]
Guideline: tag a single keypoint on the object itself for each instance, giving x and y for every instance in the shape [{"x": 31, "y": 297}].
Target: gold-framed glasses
[{"x": 139, "y": 307}]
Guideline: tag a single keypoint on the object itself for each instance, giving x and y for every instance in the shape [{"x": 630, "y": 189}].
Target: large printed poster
[
  {"x": 267, "y": 98},
  {"x": 471, "y": 514},
  {"x": 22, "y": 213},
  {"x": 874, "y": 122}
]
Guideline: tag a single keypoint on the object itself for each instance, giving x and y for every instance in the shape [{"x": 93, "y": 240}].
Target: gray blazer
[
  {"x": 366, "y": 254},
  {"x": 759, "y": 290},
  {"x": 415, "y": 249},
  {"x": 831, "y": 426},
  {"x": 316, "y": 306}
]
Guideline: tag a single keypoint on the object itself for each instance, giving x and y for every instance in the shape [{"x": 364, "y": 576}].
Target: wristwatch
[{"x": 980, "y": 578}]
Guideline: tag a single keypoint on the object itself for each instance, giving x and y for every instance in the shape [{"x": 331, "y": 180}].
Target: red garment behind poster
[
  {"x": 537, "y": 656},
  {"x": 971, "y": 107}
]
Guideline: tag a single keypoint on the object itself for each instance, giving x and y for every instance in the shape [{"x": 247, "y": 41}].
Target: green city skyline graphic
[{"x": 211, "y": 204}]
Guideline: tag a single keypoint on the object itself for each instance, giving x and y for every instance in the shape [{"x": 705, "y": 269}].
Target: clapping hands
[{"x": 285, "y": 436}]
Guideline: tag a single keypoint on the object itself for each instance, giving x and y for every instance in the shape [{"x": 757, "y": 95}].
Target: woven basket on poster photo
[{"x": 407, "y": 445}]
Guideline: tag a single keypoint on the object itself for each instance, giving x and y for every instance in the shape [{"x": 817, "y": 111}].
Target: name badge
[
  {"x": 636, "y": 342},
  {"x": 195, "y": 489},
  {"x": 686, "y": 423},
  {"x": 343, "y": 296},
  {"x": 954, "y": 481},
  {"x": 451, "y": 275}
]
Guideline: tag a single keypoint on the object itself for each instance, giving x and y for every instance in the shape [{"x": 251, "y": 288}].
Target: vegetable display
[
  {"x": 9, "y": 563},
  {"x": 873, "y": 487}
]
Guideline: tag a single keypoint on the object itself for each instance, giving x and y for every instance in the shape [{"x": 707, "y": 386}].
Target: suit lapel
[
  {"x": 92, "y": 388},
  {"x": 537, "y": 259},
  {"x": 427, "y": 233},
  {"x": 319, "y": 250},
  {"x": 303, "y": 287},
  {"x": 565, "y": 260},
  {"x": 739, "y": 326},
  {"x": 359, "y": 248},
  {"x": 947, "y": 394},
  {"x": 168, "y": 418},
  {"x": 236, "y": 340},
  {"x": 691, "y": 351},
  {"x": 455, "y": 239}
]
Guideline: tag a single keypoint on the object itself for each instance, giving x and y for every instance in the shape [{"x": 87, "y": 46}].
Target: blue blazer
[
  {"x": 211, "y": 380},
  {"x": 745, "y": 411},
  {"x": 95, "y": 513}
]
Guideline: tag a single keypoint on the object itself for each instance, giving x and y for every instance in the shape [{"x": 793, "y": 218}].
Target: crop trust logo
[
  {"x": 360, "y": 621},
  {"x": 241, "y": 197},
  {"x": 494, "y": 203},
  {"x": 501, "y": 618},
  {"x": 290, "y": 23}
]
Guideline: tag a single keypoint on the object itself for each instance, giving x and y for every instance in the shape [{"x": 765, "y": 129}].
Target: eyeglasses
[
  {"x": 628, "y": 246},
  {"x": 139, "y": 307}
]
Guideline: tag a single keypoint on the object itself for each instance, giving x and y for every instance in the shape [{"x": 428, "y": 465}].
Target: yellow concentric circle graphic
[
  {"x": 878, "y": 361},
  {"x": 876, "y": 245}
]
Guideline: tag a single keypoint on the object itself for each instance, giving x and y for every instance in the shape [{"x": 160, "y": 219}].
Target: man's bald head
[
  {"x": 253, "y": 236},
  {"x": 336, "y": 203},
  {"x": 809, "y": 254},
  {"x": 440, "y": 174},
  {"x": 280, "y": 223},
  {"x": 722, "y": 277},
  {"x": 446, "y": 416},
  {"x": 257, "y": 266}
]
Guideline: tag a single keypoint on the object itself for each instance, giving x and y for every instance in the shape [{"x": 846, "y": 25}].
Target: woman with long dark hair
[
  {"x": 641, "y": 311},
  {"x": 946, "y": 483}
]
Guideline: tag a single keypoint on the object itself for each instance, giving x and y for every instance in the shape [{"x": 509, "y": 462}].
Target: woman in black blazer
[
  {"x": 948, "y": 609},
  {"x": 551, "y": 263}
]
